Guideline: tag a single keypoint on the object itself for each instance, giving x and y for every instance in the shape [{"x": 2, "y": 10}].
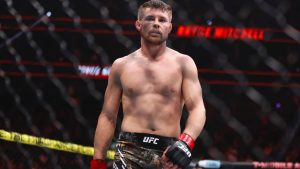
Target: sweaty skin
[
  {"x": 152, "y": 98},
  {"x": 152, "y": 83}
]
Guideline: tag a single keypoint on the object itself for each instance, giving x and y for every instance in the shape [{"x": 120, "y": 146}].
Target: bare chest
[{"x": 159, "y": 78}]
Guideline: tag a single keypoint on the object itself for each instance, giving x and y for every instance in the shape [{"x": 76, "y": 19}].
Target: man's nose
[{"x": 156, "y": 23}]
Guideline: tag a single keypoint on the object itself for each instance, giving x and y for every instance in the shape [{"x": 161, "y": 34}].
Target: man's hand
[
  {"x": 179, "y": 153},
  {"x": 97, "y": 164},
  {"x": 166, "y": 163}
]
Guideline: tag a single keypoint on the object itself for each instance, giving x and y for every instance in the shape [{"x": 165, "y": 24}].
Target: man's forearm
[
  {"x": 103, "y": 136},
  {"x": 195, "y": 122},
  {"x": 180, "y": 152}
]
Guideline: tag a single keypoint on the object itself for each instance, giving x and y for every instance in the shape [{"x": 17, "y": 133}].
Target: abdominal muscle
[{"x": 152, "y": 114}]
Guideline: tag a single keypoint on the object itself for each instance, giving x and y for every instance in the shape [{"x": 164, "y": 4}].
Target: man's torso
[{"x": 152, "y": 97}]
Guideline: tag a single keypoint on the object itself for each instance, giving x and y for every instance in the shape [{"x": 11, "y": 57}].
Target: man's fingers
[
  {"x": 166, "y": 150},
  {"x": 168, "y": 164}
]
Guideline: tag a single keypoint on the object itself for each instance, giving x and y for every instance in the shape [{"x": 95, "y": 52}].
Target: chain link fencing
[{"x": 54, "y": 74}]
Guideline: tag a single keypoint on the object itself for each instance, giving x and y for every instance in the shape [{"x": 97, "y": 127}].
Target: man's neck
[{"x": 153, "y": 51}]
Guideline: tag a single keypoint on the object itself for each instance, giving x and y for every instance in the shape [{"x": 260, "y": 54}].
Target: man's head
[
  {"x": 154, "y": 21},
  {"x": 154, "y": 4}
]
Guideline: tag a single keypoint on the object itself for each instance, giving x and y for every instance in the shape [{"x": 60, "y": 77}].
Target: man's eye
[
  {"x": 162, "y": 20},
  {"x": 149, "y": 19}
]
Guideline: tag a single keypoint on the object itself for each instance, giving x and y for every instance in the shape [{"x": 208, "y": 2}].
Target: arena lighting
[
  {"x": 102, "y": 72},
  {"x": 269, "y": 35},
  {"x": 218, "y": 32},
  {"x": 94, "y": 71}
]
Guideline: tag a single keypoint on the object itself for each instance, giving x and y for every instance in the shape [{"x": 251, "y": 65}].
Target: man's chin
[{"x": 155, "y": 40}]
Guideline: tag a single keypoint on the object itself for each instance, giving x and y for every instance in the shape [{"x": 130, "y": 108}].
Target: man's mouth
[{"x": 154, "y": 33}]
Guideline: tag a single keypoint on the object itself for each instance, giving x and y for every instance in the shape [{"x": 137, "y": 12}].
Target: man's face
[{"x": 154, "y": 25}]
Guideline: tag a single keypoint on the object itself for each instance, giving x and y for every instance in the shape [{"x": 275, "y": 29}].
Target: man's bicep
[
  {"x": 113, "y": 93},
  {"x": 192, "y": 91},
  {"x": 112, "y": 98}
]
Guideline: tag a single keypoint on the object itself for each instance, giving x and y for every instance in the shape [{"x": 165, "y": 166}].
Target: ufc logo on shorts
[{"x": 150, "y": 140}]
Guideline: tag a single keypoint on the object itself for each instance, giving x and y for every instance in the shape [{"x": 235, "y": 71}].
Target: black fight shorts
[{"x": 140, "y": 151}]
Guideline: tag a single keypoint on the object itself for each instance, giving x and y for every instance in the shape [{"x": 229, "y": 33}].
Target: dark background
[{"x": 251, "y": 88}]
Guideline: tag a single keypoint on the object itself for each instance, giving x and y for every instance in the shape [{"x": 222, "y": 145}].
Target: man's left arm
[
  {"x": 192, "y": 94},
  {"x": 179, "y": 153}
]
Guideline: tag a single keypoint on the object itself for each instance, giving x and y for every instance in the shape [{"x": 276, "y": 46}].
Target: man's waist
[{"x": 146, "y": 140}]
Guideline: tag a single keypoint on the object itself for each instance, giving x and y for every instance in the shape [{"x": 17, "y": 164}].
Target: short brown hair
[{"x": 155, "y": 4}]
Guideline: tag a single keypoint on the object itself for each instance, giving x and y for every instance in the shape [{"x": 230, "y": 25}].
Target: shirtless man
[{"x": 153, "y": 83}]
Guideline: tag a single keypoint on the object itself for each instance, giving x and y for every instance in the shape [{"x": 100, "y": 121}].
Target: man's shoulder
[
  {"x": 177, "y": 54},
  {"x": 125, "y": 58},
  {"x": 120, "y": 62},
  {"x": 180, "y": 57}
]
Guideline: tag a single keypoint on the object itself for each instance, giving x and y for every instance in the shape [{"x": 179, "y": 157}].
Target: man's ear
[
  {"x": 138, "y": 25},
  {"x": 171, "y": 26}
]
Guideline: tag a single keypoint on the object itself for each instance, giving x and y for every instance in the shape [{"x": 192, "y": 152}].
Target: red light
[
  {"x": 220, "y": 32},
  {"x": 180, "y": 31}
]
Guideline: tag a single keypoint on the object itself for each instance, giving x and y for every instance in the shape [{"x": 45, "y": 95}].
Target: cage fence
[{"x": 54, "y": 73}]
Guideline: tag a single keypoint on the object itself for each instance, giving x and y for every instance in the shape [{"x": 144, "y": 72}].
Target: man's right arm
[{"x": 107, "y": 118}]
